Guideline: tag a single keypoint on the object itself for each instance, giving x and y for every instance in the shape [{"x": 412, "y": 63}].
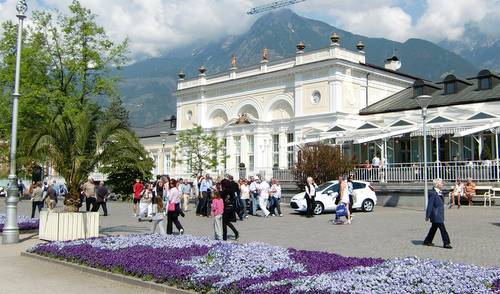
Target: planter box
[{"x": 64, "y": 226}]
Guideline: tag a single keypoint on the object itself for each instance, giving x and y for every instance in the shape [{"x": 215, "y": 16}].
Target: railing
[{"x": 479, "y": 171}]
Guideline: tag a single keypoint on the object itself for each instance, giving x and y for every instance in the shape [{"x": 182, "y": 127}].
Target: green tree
[
  {"x": 66, "y": 57},
  {"x": 199, "y": 150},
  {"x": 77, "y": 143},
  {"x": 322, "y": 162}
]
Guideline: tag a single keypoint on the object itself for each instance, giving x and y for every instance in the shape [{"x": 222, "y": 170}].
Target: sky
[{"x": 156, "y": 26}]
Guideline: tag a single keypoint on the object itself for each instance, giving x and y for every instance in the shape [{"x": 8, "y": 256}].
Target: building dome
[
  {"x": 360, "y": 46},
  {"x": 202, "y": 70},
  {"x": 335, "y": 38},
  {"x": 301, "y": 46},
  {"x": 181, "y": 74}
]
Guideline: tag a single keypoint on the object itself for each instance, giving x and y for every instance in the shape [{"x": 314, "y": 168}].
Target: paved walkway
[{"x": 387, "y": 233}]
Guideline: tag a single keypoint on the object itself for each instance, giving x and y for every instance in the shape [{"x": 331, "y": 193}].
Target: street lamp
[
  {"x": 11, "y": 230},
  {"x": 424, "y": 101},
  {"x": 163, "y": 135}
]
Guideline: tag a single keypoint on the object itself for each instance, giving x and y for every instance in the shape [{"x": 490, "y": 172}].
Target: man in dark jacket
[
  {"x": 102, "y": 196},
  {"x": 435, "y": 213}
]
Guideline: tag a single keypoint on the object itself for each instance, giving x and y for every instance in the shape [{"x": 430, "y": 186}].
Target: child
[{"x": 217, "y": 211}]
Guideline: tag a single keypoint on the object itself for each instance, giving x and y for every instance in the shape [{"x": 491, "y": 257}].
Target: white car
[{"x": 363, "y": 194}]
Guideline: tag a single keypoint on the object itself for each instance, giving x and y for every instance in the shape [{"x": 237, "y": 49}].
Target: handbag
[
  {"x": 337, "y": 199},
  {"x": 171, "y": 206},
  {"x": 341, "y": 210}
]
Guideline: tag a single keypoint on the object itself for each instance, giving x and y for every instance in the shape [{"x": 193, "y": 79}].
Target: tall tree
[
  {"x": 65, "y": 58},
  {"x": 199, "y": 151}
]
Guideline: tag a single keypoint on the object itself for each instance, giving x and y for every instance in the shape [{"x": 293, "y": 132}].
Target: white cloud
[{"x": 155, "y": 26}]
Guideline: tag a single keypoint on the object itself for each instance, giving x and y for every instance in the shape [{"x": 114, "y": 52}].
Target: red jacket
[{"x": 137, "y": 190}]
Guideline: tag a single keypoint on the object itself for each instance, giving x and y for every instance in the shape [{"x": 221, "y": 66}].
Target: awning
[
  {"x": 477, "y": 129},
  {"x": 437, "y": 131},
  {"x": 385, "y": 135},
  {"x": 320, "y": 138}
]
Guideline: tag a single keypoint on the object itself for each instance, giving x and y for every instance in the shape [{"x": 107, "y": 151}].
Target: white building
[{"x": 259, "y": 110}]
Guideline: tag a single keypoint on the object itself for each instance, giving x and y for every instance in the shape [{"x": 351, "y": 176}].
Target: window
[
  {"x": 251, "y": 158},
  {"x": 289, "y": 151},
  {"x": 237, "y": 150},
  {"x": 173, "y": 122},
  {"x": 276, "y": 150},
  {"x": 419, "y": 90},
  {"x": 189, "y": 115},
  {"x": 450, "y": 88},
  {"x": 358, "y": 185},
  {"x": 485, "y": 83}
]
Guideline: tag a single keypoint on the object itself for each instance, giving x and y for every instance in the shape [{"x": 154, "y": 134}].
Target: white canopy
[
  {"x": 477, "y": 129},
  {"x": 386, "y": 135}
]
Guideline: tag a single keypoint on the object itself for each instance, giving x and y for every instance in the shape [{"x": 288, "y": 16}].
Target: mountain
[
  {"x": 147, "y": 86},
  {"x": 478, "y": 47}
]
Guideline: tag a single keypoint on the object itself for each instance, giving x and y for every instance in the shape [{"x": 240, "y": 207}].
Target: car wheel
[
  {"x": 319, "y": 208},
  {"x": 367, "y": 205}
]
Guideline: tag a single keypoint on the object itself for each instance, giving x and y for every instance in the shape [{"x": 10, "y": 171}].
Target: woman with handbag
[
  {"x": 174, "y": 196},
  {"x": 344, "y": 198}
]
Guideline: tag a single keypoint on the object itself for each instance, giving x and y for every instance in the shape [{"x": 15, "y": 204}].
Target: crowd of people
[
  {"x": 225, "y": 200},
  {"x": 462, "y": 189}
]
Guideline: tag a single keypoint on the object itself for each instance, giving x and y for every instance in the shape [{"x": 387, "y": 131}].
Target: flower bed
[
  {"x": 206, "y": 265},
  {"x": 24, "y": 223}
]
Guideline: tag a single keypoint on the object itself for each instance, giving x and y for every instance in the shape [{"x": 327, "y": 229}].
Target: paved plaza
[{"x": 387, "y": 233}]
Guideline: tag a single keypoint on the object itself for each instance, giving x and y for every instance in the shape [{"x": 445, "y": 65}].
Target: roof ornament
[
  {"x": 243, "y": 119},
  {"x": 234, "y": 62},
  {"x": 265, "y": 55},
  {"x": 335, "y": 39}
]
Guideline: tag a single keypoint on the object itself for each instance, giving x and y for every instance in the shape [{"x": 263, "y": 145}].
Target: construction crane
[{"x": 273, "y": 5}]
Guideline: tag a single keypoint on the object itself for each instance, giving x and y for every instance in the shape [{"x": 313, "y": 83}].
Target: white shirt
[
  {"x": 276, "y": 191},
  {"x": 245, "y": 192},
  {"x": 264, "y": 189},
  {"x": 376, "y": 161},
  {"x": 253, "y": 186}
]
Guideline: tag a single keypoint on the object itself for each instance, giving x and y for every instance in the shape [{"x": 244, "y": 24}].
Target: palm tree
[{"x": 77, "y": 143}]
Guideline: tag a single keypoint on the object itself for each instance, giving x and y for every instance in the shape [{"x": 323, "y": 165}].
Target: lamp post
[
  {"x": 424, "y": 101},
  {"x": 163, "y": 135},
  {"x": 11, "y": 230}
]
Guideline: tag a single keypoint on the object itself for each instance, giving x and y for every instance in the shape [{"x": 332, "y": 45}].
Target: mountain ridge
[{"x": 147, "y": 85}]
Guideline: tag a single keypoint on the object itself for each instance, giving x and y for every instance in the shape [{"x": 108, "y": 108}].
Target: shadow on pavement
[
  {"x": 496, "y": 224},
  {"x": 417, "y": 242},
  {"x": 124, "y": 229},
  {"x": 28, "y": 237}
]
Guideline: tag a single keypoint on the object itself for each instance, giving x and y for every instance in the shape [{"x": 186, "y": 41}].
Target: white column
[
  {"x": 244, "y": 150},
  {"x": 496, "y": 152},
  {"x": 298, "y": 95},
  {"x": 230, "y": 160}
]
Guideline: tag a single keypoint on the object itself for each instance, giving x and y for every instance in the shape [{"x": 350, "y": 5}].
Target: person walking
[
  {"x": 229, "y": 214},
  {"x": 88, "y": 189},
  {"x": 344, "y": 197},
  {"x": 263, "y": 188},
  {"x": 206, "y": 188},
  {"x": 137, "y": 189},
  {"x": 310, "y": 196},
  {"x": 187, "y": 192},
  {"x": 217, "y": 213},
  {"x": 275, "y": 198},
  {"x": 245, "y": 196},
  {"x": 37, "y": 198},
  {"x": 102, "y": 197},
  {"x": 254, "y": 194},
  {"x": 174, "y": 196},
  {"x": 235, "y": 190},
  {"x": 158, "y": 216},
  {"x": 350, "y": 187},
  {"x": 435, "y": 213}
]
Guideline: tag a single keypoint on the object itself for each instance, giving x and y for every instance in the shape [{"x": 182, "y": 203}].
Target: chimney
[{"x": 392, "y": 63}]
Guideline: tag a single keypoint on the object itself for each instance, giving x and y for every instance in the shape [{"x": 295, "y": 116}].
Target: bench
[
  {"x": 493, "y": 194},
  {"x": 486, "y": 193}
]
